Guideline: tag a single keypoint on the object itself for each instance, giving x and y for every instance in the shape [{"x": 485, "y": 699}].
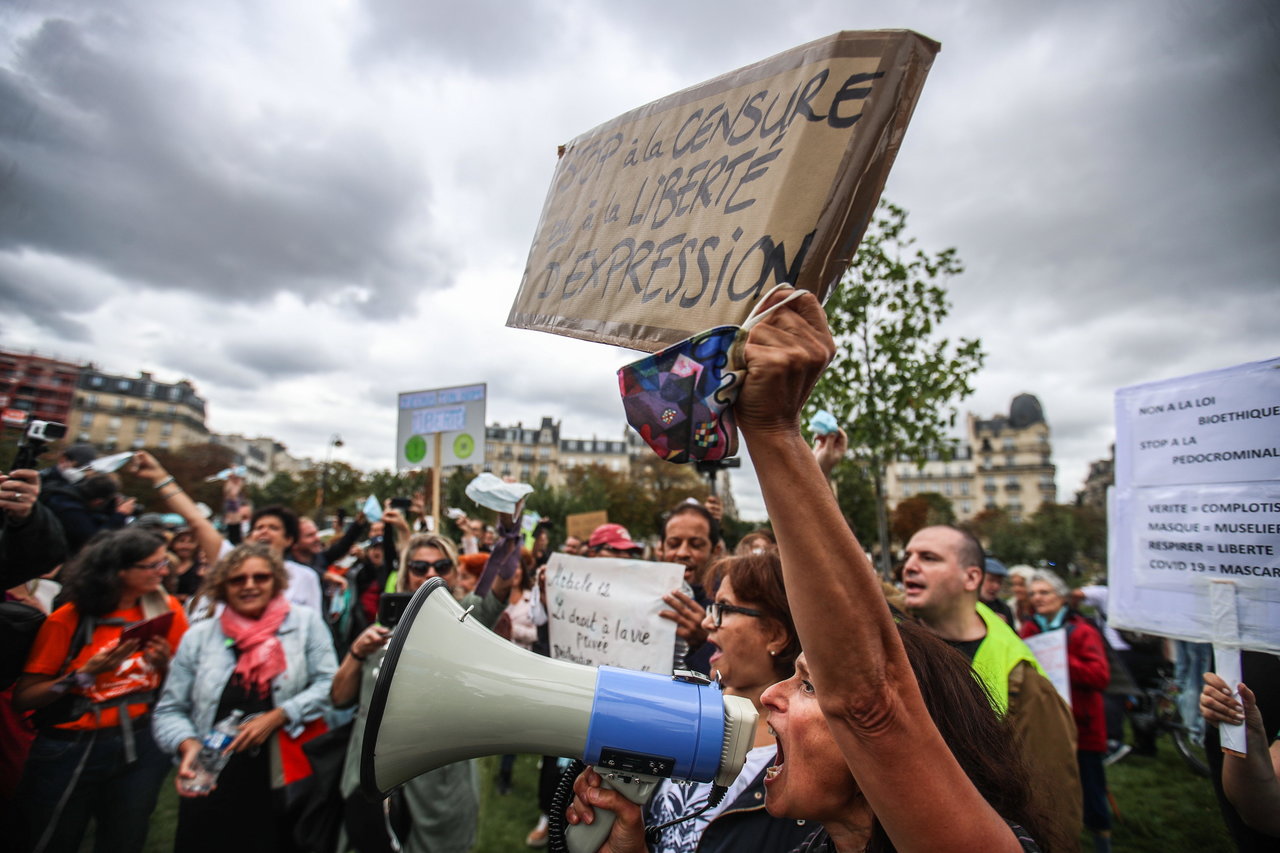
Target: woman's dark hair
[
  {"x": 983, "y": 743},
  {"x": 757, "y": 582},
  {"x": 91, "y": 580},
  {"x": 98, "y": 486}
]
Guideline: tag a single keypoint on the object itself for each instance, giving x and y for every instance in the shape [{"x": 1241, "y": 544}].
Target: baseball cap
[
  {"x": 613, "y": 536},
  {"x": 995, "y": 567}
]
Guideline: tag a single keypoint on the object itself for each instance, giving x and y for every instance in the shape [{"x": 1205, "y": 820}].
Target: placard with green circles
[{"x": 456, "y": 414}]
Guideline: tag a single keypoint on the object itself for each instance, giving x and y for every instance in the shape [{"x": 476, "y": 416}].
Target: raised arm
[
  {"x": 858, "y": 667},
  {"x": 178, "y": 501}
]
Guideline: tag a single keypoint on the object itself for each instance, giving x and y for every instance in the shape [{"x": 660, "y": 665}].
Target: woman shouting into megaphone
[
  {"x": 750, "y": 626},
  {"x": 884, "y": 737}
]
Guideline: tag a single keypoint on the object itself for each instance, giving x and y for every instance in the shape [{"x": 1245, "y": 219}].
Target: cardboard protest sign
[
  {"x": 679, "y": 215},
  {"x": 1196, "y": 505},
  {"x": 605, "y": 612},
  {"x": 581, "y": 525},
  {"x": 1050, "y": 649}
]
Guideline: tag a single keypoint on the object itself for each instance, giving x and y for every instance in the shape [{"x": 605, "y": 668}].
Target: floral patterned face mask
[{"x": 680, "y": 399}]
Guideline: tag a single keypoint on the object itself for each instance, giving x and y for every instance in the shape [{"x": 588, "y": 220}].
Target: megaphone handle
[{"x": 590, "y": 837}]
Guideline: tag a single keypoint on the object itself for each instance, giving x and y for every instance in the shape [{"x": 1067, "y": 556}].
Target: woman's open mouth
[{"x": 771, "y": 772}]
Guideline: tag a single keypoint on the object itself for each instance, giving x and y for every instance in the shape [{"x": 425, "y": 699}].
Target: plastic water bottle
[{"x": 212, "y": 758}]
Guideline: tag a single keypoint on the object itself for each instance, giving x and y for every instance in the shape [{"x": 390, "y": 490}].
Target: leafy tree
[
  {"x": 1008, "y": 541},
  {"x": 659, "y": 488},
  {"x": 916, "y": 513},
  {"x": 190, "y": 466},
  {"x": 1091, "y": 526},
  {"x": 1058, "y": 535},
  {"x": 855, "y": 492},
  {"x": 894, "y": 384},
  {"x": 733, "y": 529},
  {"x": 338, "y": 482},
  {"x": 283, "y": 489}
]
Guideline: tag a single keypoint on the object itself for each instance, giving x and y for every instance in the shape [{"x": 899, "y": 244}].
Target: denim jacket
[{"x": 203, "y": 665}]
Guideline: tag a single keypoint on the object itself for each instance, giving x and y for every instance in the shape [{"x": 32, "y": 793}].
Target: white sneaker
[
  {"x": 539, "y": 836},
  {"x": 1116, "y": 754}
]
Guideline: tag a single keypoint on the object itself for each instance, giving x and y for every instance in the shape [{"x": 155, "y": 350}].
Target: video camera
[{"x": 36, "y": 440}]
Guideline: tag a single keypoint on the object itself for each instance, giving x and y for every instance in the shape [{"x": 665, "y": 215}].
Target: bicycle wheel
[
  {"x": 1169, "y": 719},
  {"x": 1191, "y": 754}
]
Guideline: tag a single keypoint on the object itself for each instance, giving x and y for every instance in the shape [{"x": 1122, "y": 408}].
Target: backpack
[{"x": 19, "y": 624}]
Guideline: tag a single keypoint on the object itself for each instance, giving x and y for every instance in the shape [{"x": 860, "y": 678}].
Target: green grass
[
  {"x": 505, "y": 820},
  {"x": 1162, "y": 806}
]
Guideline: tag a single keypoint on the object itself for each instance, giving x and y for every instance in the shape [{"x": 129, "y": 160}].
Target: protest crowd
[{"x": 908, "y": 715}]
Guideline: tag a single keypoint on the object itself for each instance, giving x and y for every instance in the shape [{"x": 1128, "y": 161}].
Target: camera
[
  {"x": 391, "y": 607},
  {"x": 35, "y": 441}
]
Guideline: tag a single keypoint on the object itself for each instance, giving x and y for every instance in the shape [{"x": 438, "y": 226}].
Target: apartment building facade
[
  {"x": 115, "y": 412},
  {"x": 1003, "y": 462},
  {"x": 36, "y": 387}
]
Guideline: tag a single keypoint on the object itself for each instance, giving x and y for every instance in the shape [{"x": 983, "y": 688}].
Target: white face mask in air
[{"x": 73, "y": 475}]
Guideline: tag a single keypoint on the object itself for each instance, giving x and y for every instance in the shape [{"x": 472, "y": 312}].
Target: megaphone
[{"x": 449, "y": 689}]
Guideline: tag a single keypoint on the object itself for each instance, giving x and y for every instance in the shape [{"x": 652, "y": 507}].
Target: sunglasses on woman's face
[
  {"x": 421, "y": 568},
  {"x": 258, "y": 578}
]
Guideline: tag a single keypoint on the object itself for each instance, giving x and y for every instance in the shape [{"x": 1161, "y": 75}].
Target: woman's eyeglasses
[
  {"x": 258, "y": 578},
  {"x": 717, "y": 609},
  {"x": 421, "y": 568},
  {"x": 162, "y": 563}
]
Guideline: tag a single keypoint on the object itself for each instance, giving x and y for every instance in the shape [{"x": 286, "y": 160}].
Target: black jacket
[
  {"x": 31, "y": 548},
  {"x": 745, "y": 825}
]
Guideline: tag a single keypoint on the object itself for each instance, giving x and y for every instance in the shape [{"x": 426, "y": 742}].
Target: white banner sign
[
  {"x": 1197, "y": 500},
  {"x": 1050, "y": 649},
  {"x": 605, "y": 612}
]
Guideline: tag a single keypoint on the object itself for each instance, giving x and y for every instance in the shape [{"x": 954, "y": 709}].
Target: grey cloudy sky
[{"x": 306, "y": 207}]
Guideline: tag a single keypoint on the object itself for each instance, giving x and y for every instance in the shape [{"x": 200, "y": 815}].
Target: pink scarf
[{"x": 261, "y": 654}]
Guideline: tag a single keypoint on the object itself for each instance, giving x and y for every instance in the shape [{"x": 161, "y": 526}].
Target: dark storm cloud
[
  {"x": 483, "y": 37},
  {"x": 282, "y": 359},
  {"x": 1142, "y": 161},
  {"x": 135, "y": 169},
  {"x": 208, "y": 367},
  {"x": 46, "y": 307},
  {"x": 242, "y": 361}
]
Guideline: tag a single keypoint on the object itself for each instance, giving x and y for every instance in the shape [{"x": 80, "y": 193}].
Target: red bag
[{"x": 294, "y": 764}]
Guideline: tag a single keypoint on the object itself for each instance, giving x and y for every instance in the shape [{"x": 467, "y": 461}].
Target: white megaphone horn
[{"x": 449, "y": 689}]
